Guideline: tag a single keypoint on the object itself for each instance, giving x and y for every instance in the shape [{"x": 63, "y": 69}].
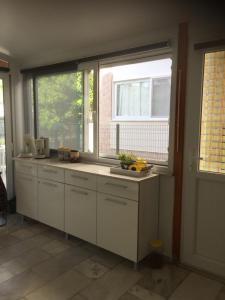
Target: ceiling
[{"x": 37, "y": 32}]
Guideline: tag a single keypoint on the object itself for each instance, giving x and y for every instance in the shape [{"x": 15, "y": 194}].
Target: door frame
[
  {"x": 8, "y": 132},
  {"x": 191, "y": 174}
]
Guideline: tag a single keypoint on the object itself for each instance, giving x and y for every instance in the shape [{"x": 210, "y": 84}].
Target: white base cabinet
[
  {"x": 80, "y": 213},
  {"x": 117, "y": 225},
  {"x": 119, "y": 214},
  {"x": 51, "y": 203},
  {"x": 26, "y": 195}
]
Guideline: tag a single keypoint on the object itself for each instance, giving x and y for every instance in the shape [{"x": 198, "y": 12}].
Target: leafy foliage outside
[{"x": 61, "y": 108}]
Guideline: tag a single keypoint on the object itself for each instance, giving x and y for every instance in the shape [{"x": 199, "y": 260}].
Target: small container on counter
[
  {"x": 61, "y": 153},
  {"x": 64, "y": 153},
  {"x": 74, "y": 155},
  {"x": 67, "y": 154}
]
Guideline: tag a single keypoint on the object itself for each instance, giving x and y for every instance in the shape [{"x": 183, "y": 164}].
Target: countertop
[{"x": 87, "y": 167}]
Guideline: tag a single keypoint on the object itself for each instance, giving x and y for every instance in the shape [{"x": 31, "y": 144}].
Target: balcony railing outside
[{"x": 149, "y": 140}]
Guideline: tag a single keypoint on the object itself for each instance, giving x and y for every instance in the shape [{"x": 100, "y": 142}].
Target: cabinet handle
[
  {"x": 28, "y": 179},
  {"x": 116, "y": 201},
  {"x": 79, "y": 177},
  {"x": 27, "y": 167},
  {"x": 49, "y": 171},
  {"x": 80, "y": 192},
  {"x": 116, "y": 185},
  {"x": 49, "y": 184}
]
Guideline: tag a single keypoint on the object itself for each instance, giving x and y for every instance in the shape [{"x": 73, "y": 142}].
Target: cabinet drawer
[
  {"x": 26, "y": 168},
  {"x": 118, "y": 187},
  {"x": 117, "y": 225},
  {"x": 81, "y": 179},
  {"x": 51, "y": 173}
]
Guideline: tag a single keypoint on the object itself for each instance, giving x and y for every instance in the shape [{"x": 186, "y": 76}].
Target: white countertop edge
[{"x": 100, "y": 170}]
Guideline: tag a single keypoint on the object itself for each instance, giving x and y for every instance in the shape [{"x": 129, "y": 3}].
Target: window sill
[{"x": 140, "y": 120}]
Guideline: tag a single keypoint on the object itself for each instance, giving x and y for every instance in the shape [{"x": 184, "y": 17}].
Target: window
[
  {"x": 212, "y": 139},
  {"x": 132, "y": 99},
  {"x": 160, "y": 97},
  {"x": 130, "y": 105},
  {"x": 142, "y": 99},
  {"x": 64, "y": 105},
  {"x": 134, "y": 107}
]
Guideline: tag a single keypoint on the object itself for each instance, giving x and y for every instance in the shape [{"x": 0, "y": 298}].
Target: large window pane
[
  {"x": 60, "y": 107},
  {"x": 212, "y": 144},
  {"x": 128, "y": 108}
]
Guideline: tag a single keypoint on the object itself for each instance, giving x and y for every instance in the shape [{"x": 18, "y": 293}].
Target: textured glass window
[{"x": 212, "y": 144}]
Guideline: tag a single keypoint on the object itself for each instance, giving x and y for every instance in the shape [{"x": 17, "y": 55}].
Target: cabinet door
[
  {"x": 80, "y": 213},
  {"x": 51, "y": 203},
  {"x": 26, "y": 195},
  {"x": 117, "y": 225}
]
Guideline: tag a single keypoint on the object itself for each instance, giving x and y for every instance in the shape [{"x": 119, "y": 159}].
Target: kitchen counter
[{"x": 91, "y": 168}]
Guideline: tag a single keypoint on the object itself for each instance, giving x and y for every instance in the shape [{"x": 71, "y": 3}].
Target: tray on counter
[{"x": 120, "y": 171}]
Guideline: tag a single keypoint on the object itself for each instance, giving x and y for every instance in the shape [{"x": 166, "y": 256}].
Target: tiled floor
[{"x": 37, "y": 263}]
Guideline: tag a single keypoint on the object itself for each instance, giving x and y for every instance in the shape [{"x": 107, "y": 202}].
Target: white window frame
[
  {"x": 124, "y": 59},
  {"x": 160, "y": 167}
]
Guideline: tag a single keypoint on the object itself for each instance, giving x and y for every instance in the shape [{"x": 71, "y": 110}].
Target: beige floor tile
[
  {"x": 54, "y": 234},
  {"x": 32, "y": 257},
  {"x": 113, "y": 284},
  {"x": 55, "y": 247},
  {"x": 91, "y": 269},
  {"x": 63, "y": 287},
  {"x": 128, "y": 296},
  {"x": 162, "y": 281},
  {"x": 20, "y": 285},
  {"x": 107, "y": 258},
  {"x": 221, "y": 294},
  {"x": 77, "y": 297},
  {"x": 39, "y": 240},
  {"x": 196, "y": 287},
  {"x": 144, "y": 294},
  {"x": 61, "y": 263},
  {"x": 38, "y": 228},
  {"x": 22, "y": 234},
  {"x": 13, "y": 267},
  {"x": 91, "y": 248},
  {"x": 8, "y": 240},
  {"x": 4, "y": 275},
  {"x": 13, "y": 251}
]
